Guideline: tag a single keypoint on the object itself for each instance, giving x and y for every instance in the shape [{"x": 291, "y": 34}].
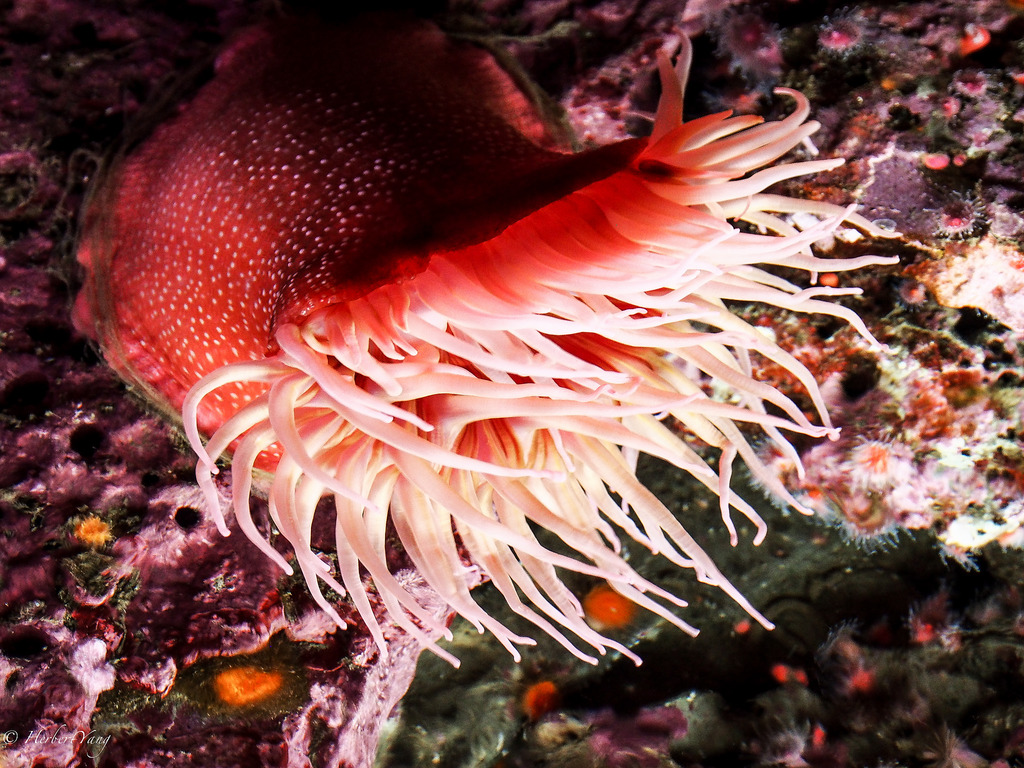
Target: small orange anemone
[
  {"x": 93, "y": 531},
  {"x": 539, "y": 699},
  {"x": 606, "y": 610},
  {"x": 379, "y": 277},
  {"x": 245, "y": 686}
]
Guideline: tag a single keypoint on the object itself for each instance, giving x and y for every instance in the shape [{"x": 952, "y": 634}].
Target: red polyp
[{"x": 320, "y": 163}]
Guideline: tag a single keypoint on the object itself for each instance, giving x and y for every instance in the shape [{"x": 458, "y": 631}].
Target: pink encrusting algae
[{"x": 398, "y": 289}]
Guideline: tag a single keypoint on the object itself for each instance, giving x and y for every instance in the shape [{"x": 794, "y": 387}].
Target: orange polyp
[
  {"x": 540, "y": 699},
  {"x": 935, "y": 161},
  {"x": 246, "y": 686},
  {"x": 92, "y": 531},
  {"x": 975, "y": 38},
  {"x": 606, "y": 609}
]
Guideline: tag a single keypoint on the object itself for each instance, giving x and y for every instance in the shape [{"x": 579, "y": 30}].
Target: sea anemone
[{"x": 398, "y": 290}]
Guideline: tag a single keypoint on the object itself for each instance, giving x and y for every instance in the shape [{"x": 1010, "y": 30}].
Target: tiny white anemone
[{"x": 510, "y": 385}]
